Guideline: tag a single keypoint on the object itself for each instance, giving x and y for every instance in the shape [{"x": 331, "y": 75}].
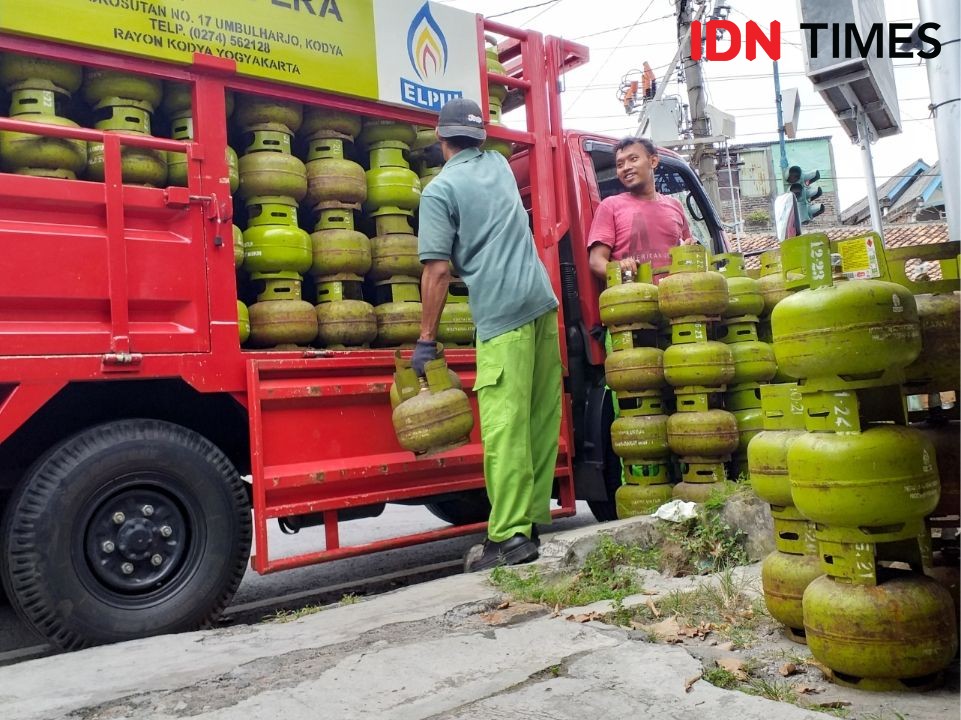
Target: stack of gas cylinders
[{"x": 861, "y": 479}]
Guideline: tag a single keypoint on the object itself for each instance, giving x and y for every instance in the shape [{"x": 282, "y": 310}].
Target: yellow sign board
[{"x": 323, "y": 44}]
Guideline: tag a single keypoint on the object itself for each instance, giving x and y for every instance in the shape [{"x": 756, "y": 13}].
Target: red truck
[{"x": 142, "y": 448}]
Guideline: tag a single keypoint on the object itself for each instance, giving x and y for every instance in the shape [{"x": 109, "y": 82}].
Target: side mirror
[{"x": 787, "y": 219}]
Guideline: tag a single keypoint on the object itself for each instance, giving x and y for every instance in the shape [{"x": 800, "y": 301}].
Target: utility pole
[
  {"x": 780, "y": 121},
  {"x": 700, "y": 123},
  {"x": 944, "y": 72}
]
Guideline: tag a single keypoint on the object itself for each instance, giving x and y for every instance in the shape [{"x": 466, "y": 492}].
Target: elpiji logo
[{"x": 427, "y": 51}]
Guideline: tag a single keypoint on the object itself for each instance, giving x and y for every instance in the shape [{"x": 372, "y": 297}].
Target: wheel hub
[{"x": 136, "y": 539}]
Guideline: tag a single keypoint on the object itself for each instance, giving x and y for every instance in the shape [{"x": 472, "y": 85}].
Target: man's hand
[
  {"x": 628, "y": 264},
  {"x": 687, "y": 241},
  {"x": 424, "y": 352}
]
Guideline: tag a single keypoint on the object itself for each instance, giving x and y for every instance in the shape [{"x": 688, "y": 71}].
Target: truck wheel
[
  {"x": 606, "y": 510},
  {"x": 127, "y": 529},
  {"x": 465, "y": 508}
]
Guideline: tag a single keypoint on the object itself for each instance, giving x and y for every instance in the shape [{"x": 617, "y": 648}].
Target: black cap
[{"x": 461, "y": 117}]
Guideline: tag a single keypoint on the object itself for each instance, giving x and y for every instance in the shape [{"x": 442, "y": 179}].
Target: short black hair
[
  {"x": 625, "y": 143},
  {"x": 459, "y": 142}
]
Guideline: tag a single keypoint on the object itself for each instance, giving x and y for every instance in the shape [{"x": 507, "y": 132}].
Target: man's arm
[
  {"x": 434, "y": 282},
  {"x": 601, "y": 241},
  {"x": 600, "y": 256}
]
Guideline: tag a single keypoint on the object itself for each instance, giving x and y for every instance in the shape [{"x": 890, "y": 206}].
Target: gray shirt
[{"x": 472, "y": 214}]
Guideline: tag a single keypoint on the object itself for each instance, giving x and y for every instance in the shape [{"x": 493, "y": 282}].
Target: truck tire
[
  {"x": 465, "y": 508},
  {"x": 127, "y": 529},
  {"x": 606, "y": 510}
]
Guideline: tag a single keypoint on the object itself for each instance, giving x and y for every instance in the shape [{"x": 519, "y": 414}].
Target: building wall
[
  {"x": 766, "y": 204},
  {"x": 758, "y": 179}
]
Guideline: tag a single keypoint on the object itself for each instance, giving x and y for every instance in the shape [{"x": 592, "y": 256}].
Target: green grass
[
  {"x": 727, "y": 605},
  {"x": 285, "y": 616},
  {"x": 609, "y": 573},
  {"x": 721, "y": 678},
  {"x": 349, "y": 599},
  {"x": 778, "y": 690}
]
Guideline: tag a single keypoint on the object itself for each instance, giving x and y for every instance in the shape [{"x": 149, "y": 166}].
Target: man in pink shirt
[{"x": 640, "y": 225}]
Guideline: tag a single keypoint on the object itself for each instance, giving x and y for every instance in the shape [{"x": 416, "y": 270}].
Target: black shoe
[
  {"x": 535, "y": 535},
  {"x": 515, "y": 551}
]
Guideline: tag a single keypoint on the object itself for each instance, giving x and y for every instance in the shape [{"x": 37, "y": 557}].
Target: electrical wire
[
  {"x": 622, "y": 27},
  {"x": 611, "y": 54},
  {"x": 521, "y": 9}
]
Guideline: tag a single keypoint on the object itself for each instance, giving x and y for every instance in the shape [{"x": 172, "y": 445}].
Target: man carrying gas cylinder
[{"x": 471, "y": 215}]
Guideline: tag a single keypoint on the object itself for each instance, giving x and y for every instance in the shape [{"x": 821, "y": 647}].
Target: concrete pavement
[{"x": 429, "y": 651}]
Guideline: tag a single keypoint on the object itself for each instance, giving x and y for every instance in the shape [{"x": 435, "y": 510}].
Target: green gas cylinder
[
  {"x": 854, "y": 328},
  {"x": 877, "y": 637},
  {"x": 113, "y": 87},
  {"x": 640, "y": 439},
  {"x": 17, "y": 71},
  {"x": 378, "y": 131},
  {"x": 882, "y": 476},
  {"x": 706, "y": 433},
  {"x": 438, "y": 417},
  {"x": 351, "y": 323},
  {"x": 393, "y": 188},
  {"x": 39, "y": 155},
  {"x": 628, "y": 302},
  {"x": 754, "y": 362},
  {"x": 268, "y": 169},
  {"x": 771, "y": 283},
  {"x": 254, "y": 110},
  {"x": 275, "y": 248},
  {"x": 634, "y": 369},
  {"x": 243, "y": 322},
  {"x": 744, "y": 293},
  {"x": 767, "y": 460},
  {"x": 331, "y": 178},
  {"x": 138, "y": 165},
  {"x": 321, "y": 121},
  {"x": 394, "y": 249},
  {"x": 238, "y": 243},
  {"x": 337, "y": 247},
  {"x": 633, "y": 500},
  {"x": 398, "y": 323},
  {"x": 706, "y": 364},
  {"x": 456, "y": 325},
  {"x": 691, "y": 289},
  {"x": 784, "y": 578},
  {"x": 278, "y": 322}
]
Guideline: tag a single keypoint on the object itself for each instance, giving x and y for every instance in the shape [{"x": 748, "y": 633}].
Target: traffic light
[{"x": 802, "y": 185}]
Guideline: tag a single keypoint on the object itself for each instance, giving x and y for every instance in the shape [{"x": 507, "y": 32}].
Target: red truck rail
[{"x": 106, "y": 283}]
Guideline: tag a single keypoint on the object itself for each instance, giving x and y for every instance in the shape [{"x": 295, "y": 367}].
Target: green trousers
[{"x": 519, "y": 394}]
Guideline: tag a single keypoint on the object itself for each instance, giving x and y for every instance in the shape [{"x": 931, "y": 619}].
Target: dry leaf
[
  {"x": 585, "y": 617},
  {"x": 737, "y": 668},
  {"x": 787, "y": 669},
  {"x": 726, "y": 646},
  {"x": 557, "y": 611},
  {"x": 667, "y": 630},
  {"x": 504, "y": 605},
  {"x": 689, "y": 682},
  {"x": 652, "y": 607},
  {"x": 802, "y": 689},
  {"x": 833, "y": 704}
]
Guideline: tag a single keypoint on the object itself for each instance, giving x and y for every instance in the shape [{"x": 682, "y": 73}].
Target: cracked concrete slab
[{"x": 442, "y": 650}]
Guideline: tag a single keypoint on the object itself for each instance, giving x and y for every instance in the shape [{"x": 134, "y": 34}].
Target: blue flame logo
[{"x": 426, "y": 45}]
